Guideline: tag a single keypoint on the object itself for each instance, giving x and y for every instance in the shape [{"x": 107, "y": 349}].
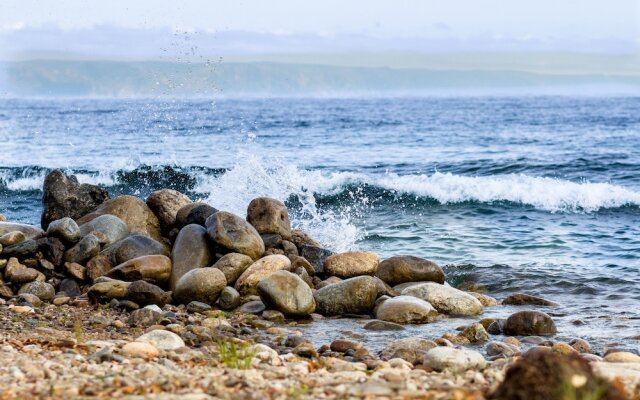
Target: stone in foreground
[
  {"x": 200, "y": 284},
  {"x": 351, "y": 296},
  {"x": 287, "y": 293},
  {"x": 453, "y": 359}
]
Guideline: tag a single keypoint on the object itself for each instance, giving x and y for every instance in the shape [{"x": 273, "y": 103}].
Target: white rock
[
  {"x": 453, "y": 360},
  {"x": 163, "y": 340},
  {"x": 445, "y": 299},
  {"x": 155, "y": 308}
]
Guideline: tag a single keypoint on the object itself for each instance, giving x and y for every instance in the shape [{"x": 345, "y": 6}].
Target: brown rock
[
  {"x": 401, "y": 269},
  {"x": 24, "y": 275},
  {"x": 154, "y": 269},
  {"x": 233, "y": 265},
  {"x": 247, "y": 282},
  {"x": 528, "y": 323},
  {"x": 201, "y": 284},
  {"x": 165, "y": 204},
  {"x": 269, "y": 215},
  {"x": 235, "y": 234},
  {"x": 76, "y": 270},
  {"x": 350, "y": 264},
  {"x": 190, "y": 251},
  {"x": 521, "y": 299},
  {"x": 98, "y": 266}
]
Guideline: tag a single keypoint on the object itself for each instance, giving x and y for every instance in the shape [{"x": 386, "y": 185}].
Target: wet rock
[
  {"x": 271, "y": 240},
  {"x": 525, "y": 323},
  {"x": 351, "y": 296},
  {"x": 406, "y": 310},
  {"x": 12, "y": 237},
  {"x": 229, "y": 298},
  {"x": 85, "y": 249},
  {"x": 494, "y": 348},
  {"x": 201, "y": 284},
  {"x": 195, "y": 213},
  {"x": 235, "y": 234},
  {"x": 70, "y": 288},
  {"x": 165, "y": 204},
  {"x": 24, "y": 275},
  {"x": 139, "y": 349},
  {"x": 350, "y": 264},
  {"x": 247, "y": 282},
  {"x": 23, "y": 249},
  {"x": 343, "y": 345},
  {"x": 144, "y": 317},
  {"x": 198, "y": 307},
  {"x": 63, "y": 196},
  {"x": 153, "y": 269},
  {"x": 544, "y": 375},
  {"x": 112, "y": 227},
  {"x": 301, "y": 238},
  {"x": 496, "y": 327},
  {"x": 161, "y": 339},
  {"x": 580, "y": 345},
  {"x": 66, "y": 229},
  {"x": 190, "y": 251},
  {"x": 305, "y": 350},
  {"x": 445, "y": 299},
  {"x": 107, "y": 290},
  {"x": 253, "y": 307},
  {"x": 145, "y": 293},
  {"x": 486, "y": 301},
  {"x": 98, "y": 266},
  {"x": 316, "y": 255},
  {"x": 475, "y": 333},
  {"x": 269, "y": 215},
  {"x": 43, "y": 290},
  {"x": 138, "y": 245},
  {"x": 233, "y": 265},
  {"x": 287, "y": 293},
  {"x": 401, "y": 269},
  {"x": 132, "y": 211},
  {"x": 76, "y": 270},
  {"x": 377, "y": 325},
  {"x": 409, "y": 349},
  {"x": 454, "y": 360},
  {"x": 521, "y": 299},
  {"x": 52, "y": 250}
]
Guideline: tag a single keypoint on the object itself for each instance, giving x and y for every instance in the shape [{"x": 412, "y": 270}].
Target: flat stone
[
  {"x": 253, "y": 307},
  {"x": 154, "y": 269},
  {"x": 144, "y": 293},
  {"x": 377, "y": 325},
  {"x": 351, "y": 264},
  {"x": 521, "y": 299}
]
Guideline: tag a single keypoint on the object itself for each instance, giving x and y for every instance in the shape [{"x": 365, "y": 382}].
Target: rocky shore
[{"x": 166, "y": 297}]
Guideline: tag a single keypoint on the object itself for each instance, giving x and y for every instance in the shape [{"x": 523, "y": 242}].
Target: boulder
[
  {"x": 70, "y": 288},
  {"x": 10, "y": 234},
  {"x": 229, "y": 298},
  {"x": 24, "y": 275},
  {"x": 401, "y": 269},
  {"x": 108, "y": 289},
  {"x": 112, "y": 227},
  {"x": 163, "y": 340},
  {"x": 521, "y": 299},
  {"x": 316, "y": 256},
  {"x": 165, "y": 204},
  {"x": 301, "y": 238},
  {"x": 63, "y": 196},
  {"x": 233, "y": 265},
  {"x": 132, "y": 211},
  {"x": 52, "y": 250},
  {"x": 145, "y": 293},
  {"x": 98, "y": 266},
  {"x": 410, "y": 349},
  {"x": 64, "y": 228},
  {"x": 247, "y": 282},
  {"x": 352, "y": 263},
  {"x": 529, "y": 323},
  {"x": 445, "y": 299},
  {"x": 351, "y": 296},
  {"x": 154, "y": 269},
  {"x": 190, "y": 251},
  {"x": 200, "y": 284},
  {"x": 194, "y": 213},
  {"x": 235, "y": 234},
  {"x": 406, "y": 310},
  {"x": 138, "y": 245},
  {"x": 287, "y": 293},
  {"x": 85, "y": 249},
  {"x": 23, "y": 249},
  {"x": 269, "y": 215},
  {"x": 43, "y": 290},
  {"x": 453, "y": 360}
]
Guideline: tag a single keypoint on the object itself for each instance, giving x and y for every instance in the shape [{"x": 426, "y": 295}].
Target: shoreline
[{"x": 124, "y": 265}]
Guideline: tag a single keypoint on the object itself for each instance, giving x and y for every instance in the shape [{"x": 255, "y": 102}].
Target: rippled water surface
[{"x": 533, "y": 194}]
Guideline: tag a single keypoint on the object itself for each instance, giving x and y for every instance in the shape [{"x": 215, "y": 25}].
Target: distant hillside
[{"x": 157, "y": 78}]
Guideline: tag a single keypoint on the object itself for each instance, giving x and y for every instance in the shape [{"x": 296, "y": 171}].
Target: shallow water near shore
[{"x": 533, "y": 194}]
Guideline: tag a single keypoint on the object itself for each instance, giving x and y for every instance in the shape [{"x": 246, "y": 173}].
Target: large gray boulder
[
  {"x": 190, "y": 251},
  {"x": 287, "y": 293},
  {"x": 445, "y": 299},
  {"x": 63, "y": 196},
  {"x": 154, "y": 269},
  {"x": 351, "y": 296},
  {"x": 112, "y": 227},
  {"x": 200, "y": 284},
  {"x": 231, "y": 232}
]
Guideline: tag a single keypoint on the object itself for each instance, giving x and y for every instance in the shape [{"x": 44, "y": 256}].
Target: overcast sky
[{"x": 303, "y": 26}]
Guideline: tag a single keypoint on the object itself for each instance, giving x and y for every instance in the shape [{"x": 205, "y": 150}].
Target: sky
[{"x": 149, "y": 28}]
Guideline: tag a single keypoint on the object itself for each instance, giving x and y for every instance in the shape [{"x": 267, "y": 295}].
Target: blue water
[{"x": 532, "y": 194}]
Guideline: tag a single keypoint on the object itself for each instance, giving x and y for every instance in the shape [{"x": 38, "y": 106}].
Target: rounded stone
[
  {"x": 65, "y": 228},
  {"x": 190, "y": 251},
  {"x": 233, "y": 265},
  {"x": 406, "y": 310},
  {"x": 138, "y": 245},
  {"x": 140, "y": 349},
  {"x": 453, "y": 359},
  {"x": 377, "y": 325},
  {"x": 194, "y": 213},
  {"x": 269, "y": 215},
  {"x": 201, "y": 284},
  {"x": 526, "y": 323},
  {"x": 445, "y": 299},
  {"x": 24, "y": 275},
  {"x": 154, "y": 269},
  {"x": 401, "y": 269},
  {"x": 410, "y": 349},
  {"x": 352, "y": 263},
  {"x": 247, "y": 282},
  {"x": 229, "y": 298},
  {"x": 43, "y": 290},
  {"x": 145, "y": 293},
  {"x": 165, "y": 204},
  {"x": 162, "y": 339},
  {"x": 112, "y": 227},
  {"x": 351, "y": 296},
  {"x": 521, "y": 299},
  {"x": 85, "y": 249},
  {"x": 287, "y": 293},
  {"x": 622, "y": 357},
  {"x": 12, "y": 237},
  {"x": 107, "y": 290},
  {"x": 234, "y": 233},
  {"x": 500, "y": 349}
]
